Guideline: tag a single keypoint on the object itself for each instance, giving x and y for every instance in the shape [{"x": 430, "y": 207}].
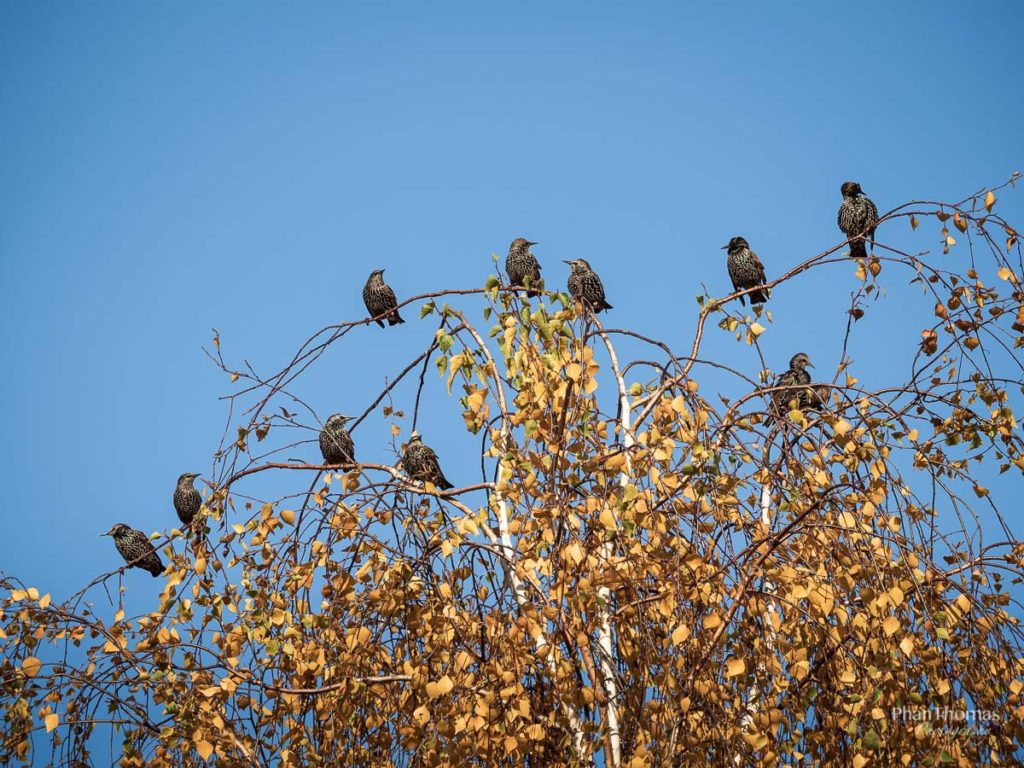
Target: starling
[
  {"x": 796, "y": 377},
  {"x": 858, "y": 217},
  {"x": 746, "y": 270},
  {"x": 521, "y": 265},
  {"x": 335, "y": 441},
  {"x": 135, "y": 549},
  {"x": 380, "y": 299},
  {"x": 586, "y": 287},
  {"x": 187, "y": 499},
  {"x": 420, "y": 463}
]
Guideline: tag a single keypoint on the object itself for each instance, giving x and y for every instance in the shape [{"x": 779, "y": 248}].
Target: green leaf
[
  {"x": 872, "y": 740},
  {"x": 445, "y": 342},
  {"x": 426, "y": 309},
  {"x": 492, "y": 282}
]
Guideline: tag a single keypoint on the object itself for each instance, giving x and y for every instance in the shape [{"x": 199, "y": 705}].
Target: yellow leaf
[
  {"x": 913, "y": 222},
  {"x": 711, "y": 621},
  {"x": 31, "y": 665},
  {"x": 234, "y": 377},
  {"x": 907, "y": 645},
  {"x": 18, "y": 594},
  {"x": 680, "y": 634},
  {"x": 912, "y": 434},
  {"x": 607, "y": 519},
  {"x": 440, "y": 688},
  {"x": 757, "y": 329},
  {"x": 44, "y": 601},
  {"x": 288, "y": 516},
  {"x": 959, "y": 222},
  {"x": 842, "y": 427},
  {"x": 574, "y": 553},
  {"x": 1006, "y": 274},
  {"x": 735, "y": 667},
  {"x": 204, "y": 748},
  {"x": 890, "y": 626},
  {"x": 990, "y": 200},
  {"x": 52, "y": 721},
  {"x": 859, "y": 761},
  {"x": 421, "y": 716}
]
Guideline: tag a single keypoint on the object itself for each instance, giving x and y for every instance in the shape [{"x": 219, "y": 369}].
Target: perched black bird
[
  {"x": 135, "y": 549},
  {"x": 521, "y": 265},
  {"x": 586, "y": 287},
  {"x": 797, "y": 379},
  {"x": 187, "y": 499},
  {"x": 745, "y": 270},
  {"x": 380, "y": 299},
  {"x": 420, "y": 463},
  {"x": 858, "y": 217},
  {"x": 336, "y": 443}
]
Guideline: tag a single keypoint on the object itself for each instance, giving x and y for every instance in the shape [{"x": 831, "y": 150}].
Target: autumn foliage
[{"x": 642, "y": 573}]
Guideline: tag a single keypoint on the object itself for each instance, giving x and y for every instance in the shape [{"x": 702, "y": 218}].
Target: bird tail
[
  {"x": 606, "y": 305},
  {"x": 760, "y": 296},
  {"x": 155, "y": 569},
  {"x": 857, "y": 249},
  {"x": 394, "y": 319},
  {"x": 379, "y": 322},
  {"x": 444, "y": 485}
]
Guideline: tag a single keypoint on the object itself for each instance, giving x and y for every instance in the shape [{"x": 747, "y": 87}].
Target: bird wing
[
  {"x": 873, "y": 218},
  {"x": 761, "y": 279}
]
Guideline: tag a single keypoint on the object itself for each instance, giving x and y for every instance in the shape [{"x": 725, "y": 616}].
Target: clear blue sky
[{"x": 170, "y": 168}]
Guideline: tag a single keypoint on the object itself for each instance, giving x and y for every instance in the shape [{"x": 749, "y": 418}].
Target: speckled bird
[
  {"x": 135, "y": 549},
  {"x": 745, "y": 270},
  {"x": 858, "y": 218},
  {"x": 187, "y": 500},
  {"x": 521, "y": 265},
  {"x": 335, "y": 442},
  {"x": 796, "y": 377},
  {"x": 420, "y": 463},
  {"x": 380, "y": 299},
  {"x": 585, "y": 286}
]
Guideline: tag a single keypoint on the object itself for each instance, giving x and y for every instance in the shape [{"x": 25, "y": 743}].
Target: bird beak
[
  {"x": 810, "y": 364},
  {"x": 566, "y": 261},
  {"x": 725, "y": 247},
  {"x": 529, "y": 243}
]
